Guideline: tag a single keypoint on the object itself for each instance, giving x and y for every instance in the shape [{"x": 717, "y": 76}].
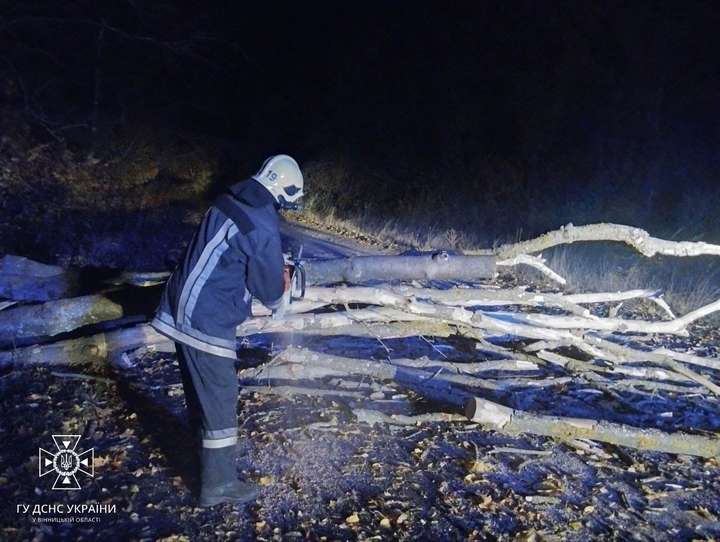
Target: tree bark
[
  {"x": 439, "y": 266},
  {"x": 508, "y": 420},
  {"x": 54, "y": 317},
  {"x": 95, "y": 350}
]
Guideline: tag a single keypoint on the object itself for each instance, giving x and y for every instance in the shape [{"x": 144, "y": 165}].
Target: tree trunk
[
  {"x": 54, "y": 317},
  {"x": 95, "y": 350},
  {"x": 441, "y": 266}
]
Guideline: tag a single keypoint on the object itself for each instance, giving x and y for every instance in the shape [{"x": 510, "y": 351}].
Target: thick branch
[
  {"x": 637, "y": 238},
  {"x": 94, "y": 350},
  {"x": 620, "y": 353},
  {"x": 508, "y": 420},
  {"x": 292, "y": 391},
  {"x": 324, "y": 320}
]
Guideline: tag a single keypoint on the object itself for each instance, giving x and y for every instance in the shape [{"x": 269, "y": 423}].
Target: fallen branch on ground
[
  {"x": 96, "y": 350},
  {"x": 511, "y": 421},
  {"x": 291, "y": 391},
  {"x": 677, "y": 326},
  {"x": 375, "y": 416}
]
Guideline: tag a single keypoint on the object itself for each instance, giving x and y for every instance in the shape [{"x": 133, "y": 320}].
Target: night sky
[{"x": 601, "y": 110}]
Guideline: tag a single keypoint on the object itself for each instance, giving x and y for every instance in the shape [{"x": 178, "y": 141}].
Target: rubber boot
[{"x": 219, "y": 479}]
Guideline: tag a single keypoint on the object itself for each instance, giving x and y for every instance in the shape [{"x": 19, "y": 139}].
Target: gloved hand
[{"x": 286, "y": 278}]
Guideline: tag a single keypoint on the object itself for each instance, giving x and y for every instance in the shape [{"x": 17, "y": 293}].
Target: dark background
[{"x": 498, "y": 119}]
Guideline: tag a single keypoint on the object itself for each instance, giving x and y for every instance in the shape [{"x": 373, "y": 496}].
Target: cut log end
[
  {"x": 470, "y": 408},
  {"x": 488, "y": 413}
]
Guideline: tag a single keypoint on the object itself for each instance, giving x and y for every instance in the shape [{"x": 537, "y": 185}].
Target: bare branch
[{"x": 637, "y": 238}]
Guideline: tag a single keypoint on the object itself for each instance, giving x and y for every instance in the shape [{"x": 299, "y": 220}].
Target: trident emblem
[{"x": 66, "y": 462}]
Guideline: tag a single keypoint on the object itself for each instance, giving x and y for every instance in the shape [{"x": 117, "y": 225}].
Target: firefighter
[{"x": 235, "y": 255}]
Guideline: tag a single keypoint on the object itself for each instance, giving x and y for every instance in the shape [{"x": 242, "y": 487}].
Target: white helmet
[{"x": 281, "y": 175}]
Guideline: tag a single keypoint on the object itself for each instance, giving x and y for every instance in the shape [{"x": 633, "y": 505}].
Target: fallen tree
[{"x": 573, "y": 346}]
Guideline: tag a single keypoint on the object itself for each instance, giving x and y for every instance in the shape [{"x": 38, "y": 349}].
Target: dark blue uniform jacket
[{"x": 234, "y": 256}]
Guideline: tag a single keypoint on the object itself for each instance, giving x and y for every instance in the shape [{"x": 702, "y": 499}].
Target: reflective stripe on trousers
[
  {"x": 211, "y": 393},
  {"x": 219, "y": 438}
]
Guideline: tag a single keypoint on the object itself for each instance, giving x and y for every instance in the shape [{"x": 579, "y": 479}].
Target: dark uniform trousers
[{"x": 211, "y": 394}]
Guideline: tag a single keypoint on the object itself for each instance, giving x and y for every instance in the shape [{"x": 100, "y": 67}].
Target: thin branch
[{"x": 535, "y": 262}]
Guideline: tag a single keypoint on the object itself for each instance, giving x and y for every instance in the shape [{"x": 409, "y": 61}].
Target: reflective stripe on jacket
[{"x": 228, "y": 262}]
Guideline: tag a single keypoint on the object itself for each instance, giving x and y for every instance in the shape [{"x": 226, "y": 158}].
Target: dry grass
[
  {"x": 389, "y": 233},
  {"x": 344, "y": 195},
  {"x": 686, "y": 283}
]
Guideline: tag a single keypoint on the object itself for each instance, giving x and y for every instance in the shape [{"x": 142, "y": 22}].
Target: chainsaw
[
  {"x": 297, "y": 275},
  {"x": 296, "y": 292}
]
